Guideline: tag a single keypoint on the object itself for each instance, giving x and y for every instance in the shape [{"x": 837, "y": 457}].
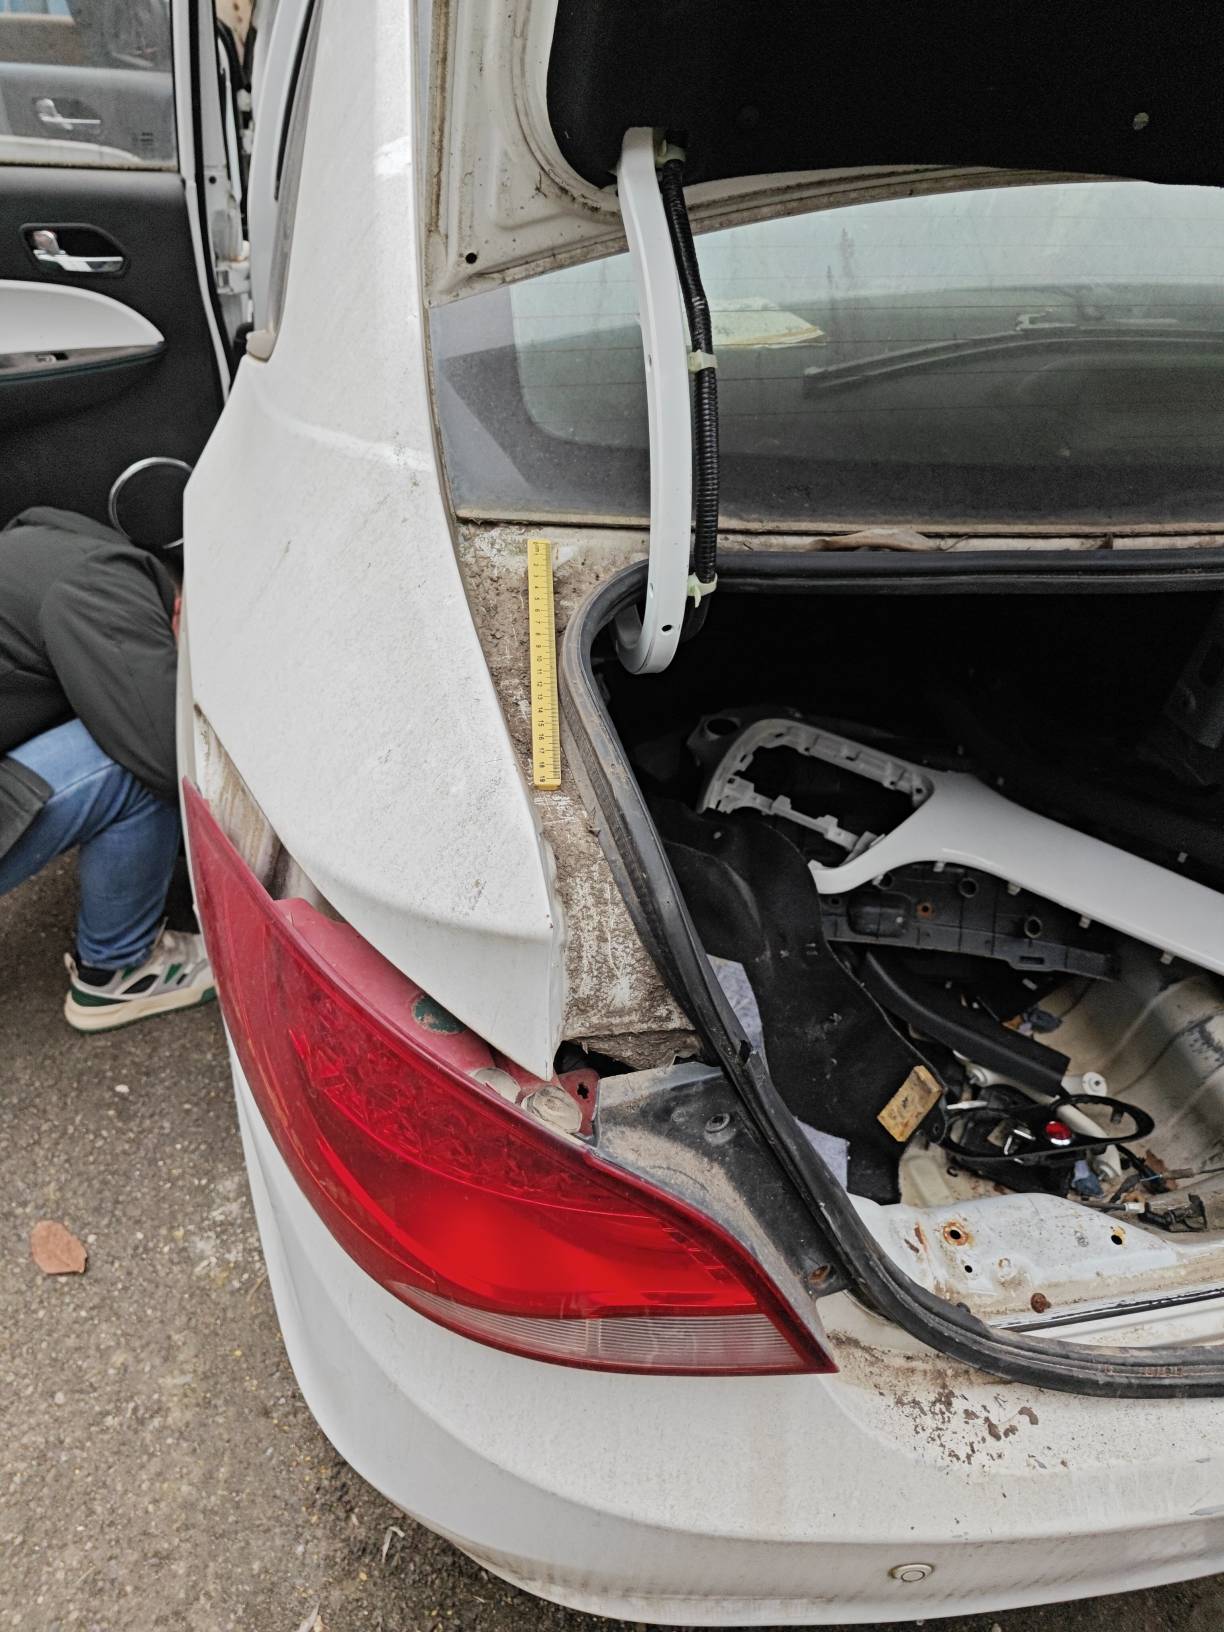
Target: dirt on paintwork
[
  {"x": 961, "y": 1414},
  {"x": 616, "y": 1001}
]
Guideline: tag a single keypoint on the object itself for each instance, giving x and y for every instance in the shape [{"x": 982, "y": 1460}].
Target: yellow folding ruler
[{"x": 542, "y": 642}]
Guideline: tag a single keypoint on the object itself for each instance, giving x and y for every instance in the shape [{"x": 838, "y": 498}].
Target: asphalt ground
[{"x": 158, "y": 1469}]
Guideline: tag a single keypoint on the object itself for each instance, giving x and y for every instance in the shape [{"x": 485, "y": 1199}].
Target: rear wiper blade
[{"x": 1033, "y": 331}]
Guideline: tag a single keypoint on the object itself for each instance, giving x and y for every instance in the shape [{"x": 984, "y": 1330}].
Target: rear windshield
[{"x": 1014, "y": 356}]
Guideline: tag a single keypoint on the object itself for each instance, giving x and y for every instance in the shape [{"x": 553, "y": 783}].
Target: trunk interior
[{"x": 1024, "y": 1102}]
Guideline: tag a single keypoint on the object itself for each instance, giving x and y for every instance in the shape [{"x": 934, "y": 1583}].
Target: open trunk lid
[{"x": 789, "y": 107}]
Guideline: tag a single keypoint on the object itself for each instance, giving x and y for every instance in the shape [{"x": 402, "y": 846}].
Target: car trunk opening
[{"x": 1005, "y": 1108}]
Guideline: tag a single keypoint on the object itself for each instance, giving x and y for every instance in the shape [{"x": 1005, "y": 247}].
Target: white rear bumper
[{"x": 712, "y": 1501}]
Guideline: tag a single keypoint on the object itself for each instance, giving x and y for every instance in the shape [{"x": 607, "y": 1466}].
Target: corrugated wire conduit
[{"x": 704, "y": 367}]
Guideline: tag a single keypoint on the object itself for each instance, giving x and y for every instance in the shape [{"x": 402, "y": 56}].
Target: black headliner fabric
[{"x": 756, "y": 87}]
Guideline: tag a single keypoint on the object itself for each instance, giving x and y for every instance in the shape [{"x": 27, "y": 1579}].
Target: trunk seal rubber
[{"x": 636, "y": 855}]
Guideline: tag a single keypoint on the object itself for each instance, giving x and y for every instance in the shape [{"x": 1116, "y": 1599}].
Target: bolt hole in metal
[
  {"x": 718, "y": 1122},
  {"x": 1117, "y": 1237},
  {"x": 968, "y": 887},
  {"x": 721, "y": 725},
  {"x": 1033, "y": 927},
  {"x": 925, "y": 909}
]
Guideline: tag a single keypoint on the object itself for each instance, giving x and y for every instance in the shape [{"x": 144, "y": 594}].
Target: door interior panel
[
  {"x": 69, "y": 428},
  {"x": 41, "y": 317},
  {"x": 32, "y": 396}
]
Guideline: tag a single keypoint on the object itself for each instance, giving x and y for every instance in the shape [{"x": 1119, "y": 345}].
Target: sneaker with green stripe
[{"x": 175, "y": 975}]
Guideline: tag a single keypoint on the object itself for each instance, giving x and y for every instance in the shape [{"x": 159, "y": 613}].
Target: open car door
[{"x": 121, "y": 254}]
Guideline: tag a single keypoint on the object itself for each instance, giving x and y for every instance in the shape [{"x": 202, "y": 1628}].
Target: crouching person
[{"x": 87, "y": 728}]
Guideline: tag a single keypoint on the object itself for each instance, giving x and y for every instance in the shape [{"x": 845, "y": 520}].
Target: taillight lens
[{"x": 470, "y": 1210}]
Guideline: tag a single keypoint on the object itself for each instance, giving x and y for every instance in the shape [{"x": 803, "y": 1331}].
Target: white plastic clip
[
  {"x": 665, "y": 152},
  {"x": 696, "y": 591},
  {"x": 701, "y": 359}
]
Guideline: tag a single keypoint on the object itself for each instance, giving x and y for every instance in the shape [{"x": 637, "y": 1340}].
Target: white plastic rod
[{"x": 647, "y": 643}]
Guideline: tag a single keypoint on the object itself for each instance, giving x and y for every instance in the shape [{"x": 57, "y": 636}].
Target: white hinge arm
[{"x": 647, "y": 643}]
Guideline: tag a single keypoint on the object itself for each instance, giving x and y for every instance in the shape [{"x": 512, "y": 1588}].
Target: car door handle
[
  {"x": 46, "y": 246},
  {"x": 49, "y": 114}
]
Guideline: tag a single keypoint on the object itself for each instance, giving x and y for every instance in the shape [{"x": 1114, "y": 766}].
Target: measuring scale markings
[{"x": 542, "y": 642}]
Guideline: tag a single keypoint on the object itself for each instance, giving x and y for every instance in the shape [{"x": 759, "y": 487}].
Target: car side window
[
  {"x": 87, "y": 82},
  {"x": 289, "y": 167}
]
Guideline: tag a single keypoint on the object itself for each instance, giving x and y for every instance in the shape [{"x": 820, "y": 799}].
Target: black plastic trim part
[
  {"x": 937, "y": 1013},
  {"x": 29, "y": 399},
  {"x": 133, "y": 359},
  {"x": 639, "y": 863}
]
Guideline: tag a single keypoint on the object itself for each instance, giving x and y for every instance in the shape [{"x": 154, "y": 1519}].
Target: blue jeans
[{"x": 129, "y": 842}]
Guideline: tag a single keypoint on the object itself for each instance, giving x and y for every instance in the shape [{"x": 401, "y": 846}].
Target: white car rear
[{"x": 642, "y": 1211}]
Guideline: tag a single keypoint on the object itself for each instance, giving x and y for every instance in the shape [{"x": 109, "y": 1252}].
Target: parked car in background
[{"x": 768, "y": 1172}]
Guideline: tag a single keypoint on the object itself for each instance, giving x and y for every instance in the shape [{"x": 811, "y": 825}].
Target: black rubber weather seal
[{"x": 636, "y": 855}]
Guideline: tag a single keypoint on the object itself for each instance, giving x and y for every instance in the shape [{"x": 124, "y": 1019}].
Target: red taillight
[{"x": 451, "y": 1197}]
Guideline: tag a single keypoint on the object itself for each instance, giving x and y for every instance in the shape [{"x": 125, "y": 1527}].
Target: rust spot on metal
[
  {"x": 919, "y": 1236},
  {"x": 819, "y": 1275},
  {"x": 957, "y": 1234},
  {"x": 1027, "y": 1411},
  {"x": 1039, "y": 1302}
]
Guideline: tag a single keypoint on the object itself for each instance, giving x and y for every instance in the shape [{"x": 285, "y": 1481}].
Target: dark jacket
[{"x": 85, "y": 630}]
